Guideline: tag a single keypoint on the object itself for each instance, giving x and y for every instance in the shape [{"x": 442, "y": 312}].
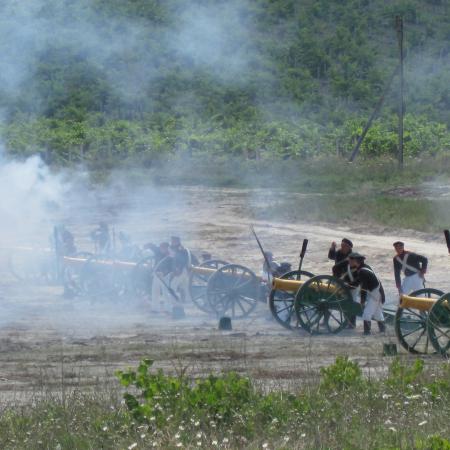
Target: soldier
[
  {"x": 340, "y": 255},
  {"x": 128, "y": 251},
  {"x": 102, "y": 239},
  {"x": 206, "y": 256},
  {"x": 349, "y": 276},
  {"x": 413, "y": 266},
  {"x": 63, "y": 244},
  {"x": 160, "y": 251},
  {"x": 372, "y": 296},
  {"x": 63, "y": 241},
  {"x": 171, "y": 280},
  {"x": 266, "y": 273}
]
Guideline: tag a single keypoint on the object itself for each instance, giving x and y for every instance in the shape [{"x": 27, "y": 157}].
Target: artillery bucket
[
  {"x": 389, "y": 349},
  {"x": 225, "y": 324},
  {"x": 178, "y": 313}
]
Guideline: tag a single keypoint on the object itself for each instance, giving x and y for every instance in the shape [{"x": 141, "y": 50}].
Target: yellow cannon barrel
[
  {"x": 203, "y": 270},
  {"x": 287, "y": 285},
  {"x": 420, "y": 303},
  {"x": 101, "y": 262}
]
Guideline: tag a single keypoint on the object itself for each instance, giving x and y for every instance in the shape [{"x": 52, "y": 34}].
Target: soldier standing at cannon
[
  {"x": 171, "y": 280},
  {"x": 160, "y": 251},
  {"x": 372, "y": 296},
  {"x": 102, "y": 239},
  {"x": 412, "y": 265},
  {"x": 341, "y": 254},
  {"x": 268, "y": 272},
  {"x": 349, "y": 276}
]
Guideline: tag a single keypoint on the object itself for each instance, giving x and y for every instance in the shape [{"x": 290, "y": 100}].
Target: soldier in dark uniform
[
  {"x": 341, "y": 254},
  {"x": 349, "y": 276},
  {"x": 413, "y": 266},
  {"x": 173, "y": 272},
  {"x": 268, "y": 272},
  {"x": 63, "y": 241},
  {"x": 160, "y": 251},
  {"x": 102, "y": 238},
  {"x": 128, "y": 251},
  {"x": 63, "y": 244},
  {"x": 372, "y": 296}
]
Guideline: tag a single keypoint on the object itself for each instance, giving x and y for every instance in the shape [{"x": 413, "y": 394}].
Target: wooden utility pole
[
  {"x": 401, "y": 110},
  {"x": 374, "y": 115}
]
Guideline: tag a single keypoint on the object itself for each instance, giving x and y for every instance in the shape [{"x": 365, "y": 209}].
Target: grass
[
  {"x": 335, "y": 191},
  {"x": 394, "y": 212},
  {"x": 405, "y": 409}
]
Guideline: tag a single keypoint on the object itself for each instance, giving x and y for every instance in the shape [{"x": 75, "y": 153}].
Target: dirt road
[{"x": 47, "y": 342}]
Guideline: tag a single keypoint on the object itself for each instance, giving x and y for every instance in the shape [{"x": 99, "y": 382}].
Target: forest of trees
[{"x": 107, "y": 81}]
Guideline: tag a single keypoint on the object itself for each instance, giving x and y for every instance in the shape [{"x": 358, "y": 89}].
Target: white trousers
[
  {"x": 412, "y": 283},
  {"x": 373, "y": 308},
  {"x": 161, "y": 297},
  {"x": 355, "y": 294}
]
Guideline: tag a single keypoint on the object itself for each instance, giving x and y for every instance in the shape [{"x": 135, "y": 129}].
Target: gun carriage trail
[{"x": 81, "y": 341}]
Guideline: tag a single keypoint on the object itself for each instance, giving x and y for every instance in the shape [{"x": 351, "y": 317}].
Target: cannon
[
  {"x": 323, "y": 304},
  {"x": 318, "y": 304},
  {"x": 215, "y": 287},
  {"x": 423, "y": 317},
  {"x": 87, "y": 274}
]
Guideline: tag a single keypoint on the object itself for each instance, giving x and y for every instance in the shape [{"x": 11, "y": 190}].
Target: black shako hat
[
  {"x": 356, "y": 255},
  {"x": 348, "y": 242},
  {"x": 398, "y": 243}
]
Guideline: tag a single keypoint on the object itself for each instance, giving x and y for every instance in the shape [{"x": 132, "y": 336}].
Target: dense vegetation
[
  {"x": 404, "y": 409},
  {"x": 106, "y": 82}
]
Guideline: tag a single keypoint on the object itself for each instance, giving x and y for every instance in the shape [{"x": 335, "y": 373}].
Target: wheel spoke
[{"x": 418, "y": 339}]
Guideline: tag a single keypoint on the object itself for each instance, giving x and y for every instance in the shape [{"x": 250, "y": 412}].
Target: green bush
[{"x": 344, "y": 374}]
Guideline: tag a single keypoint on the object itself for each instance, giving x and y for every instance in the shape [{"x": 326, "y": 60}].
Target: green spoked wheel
[
  {"x": 323, "y": 305},
  {"x": 411, "y": 324},
  {"x": 198, "y": 283},
  {"x": 72, "y": 275},
  {"x": 142, "y": 277},
  {"x": 438, "y": 325},
  {"x": 233, "y": 291},
  {"x": 281, "y": 302},
  {"x": 98, "y": 279}
]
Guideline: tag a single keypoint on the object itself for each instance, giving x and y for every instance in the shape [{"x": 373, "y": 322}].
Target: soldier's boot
[
  {"x": 367, "y": 325},
  {"x": 381, "y": 326},
  {"x": 351, "y": 322}
]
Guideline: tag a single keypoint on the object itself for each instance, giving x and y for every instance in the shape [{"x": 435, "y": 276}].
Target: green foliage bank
[{"x": 146, "y": 81}]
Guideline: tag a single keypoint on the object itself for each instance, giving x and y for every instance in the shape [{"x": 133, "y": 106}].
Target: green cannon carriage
[
  {"x": 215, "y": 287},
  {"x": 423, "y": 317},
  {"x": 323, "y": 304}
]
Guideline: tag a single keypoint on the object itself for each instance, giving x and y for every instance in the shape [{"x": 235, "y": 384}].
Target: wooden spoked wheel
[
  {"x": 438, "y": 325},
  {"x": 323, "y": 305},
  {"x": 198, "y": 283},
  {"x": 233, "y": 291},
  {"x": 411, "y": 323},
  {"x": 281, "y": 302}
]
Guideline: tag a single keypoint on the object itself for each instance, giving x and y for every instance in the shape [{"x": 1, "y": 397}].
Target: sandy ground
[{"x": 49, "y": 343}]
